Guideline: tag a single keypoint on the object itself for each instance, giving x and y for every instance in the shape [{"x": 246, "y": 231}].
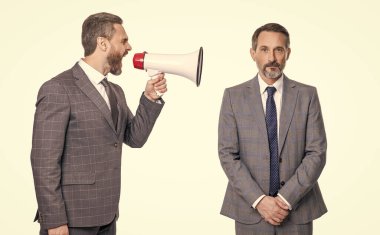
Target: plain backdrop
[{"x": 174, "y": 184}]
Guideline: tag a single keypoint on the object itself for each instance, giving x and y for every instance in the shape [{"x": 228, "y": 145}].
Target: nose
[
  {"x": 271, "y": 56},
  {"x": 128, "y": 46}
]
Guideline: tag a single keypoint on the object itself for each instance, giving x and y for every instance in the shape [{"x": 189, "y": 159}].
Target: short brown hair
[
  {"x": 98, "y": 25},
  {"x": 270, "y": 27}
]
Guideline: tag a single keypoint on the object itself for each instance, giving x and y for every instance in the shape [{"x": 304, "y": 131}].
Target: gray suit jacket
[
  {"x": 76, "y": 151},
  {"x": 244, "y": 152}
]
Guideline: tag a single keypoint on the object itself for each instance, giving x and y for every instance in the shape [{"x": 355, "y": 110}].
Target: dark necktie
[
  {"x": 112, "y": 101},
  {"x": 271, "y": 121}
]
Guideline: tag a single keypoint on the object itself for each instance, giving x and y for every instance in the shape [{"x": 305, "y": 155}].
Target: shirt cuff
[
  {"x": 257, "y": 201},
  {"x": 286, "y": 202}
]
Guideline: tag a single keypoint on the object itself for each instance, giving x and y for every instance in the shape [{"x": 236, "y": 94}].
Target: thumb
[
  {"x": 282, "y": 204},
  {"x": 156, "y": 78}
]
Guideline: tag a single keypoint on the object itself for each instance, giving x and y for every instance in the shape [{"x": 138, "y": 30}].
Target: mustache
[{"x": 272, "y": 64}]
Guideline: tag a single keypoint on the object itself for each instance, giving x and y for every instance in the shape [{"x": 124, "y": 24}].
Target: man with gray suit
[
  {"x": 80, "y": 123},
  {"x": 272, "y": 145}
]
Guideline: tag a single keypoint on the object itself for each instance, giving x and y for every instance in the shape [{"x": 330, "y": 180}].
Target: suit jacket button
[
  {"x": 282, "y": 183},
  {"x": 115, "y": 145}
]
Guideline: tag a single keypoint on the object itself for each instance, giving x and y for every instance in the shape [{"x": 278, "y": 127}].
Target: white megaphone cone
[{"x": 186, "y": 65}]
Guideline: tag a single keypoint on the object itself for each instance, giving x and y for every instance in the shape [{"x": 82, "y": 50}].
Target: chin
[{"x": 116, "y": 73}]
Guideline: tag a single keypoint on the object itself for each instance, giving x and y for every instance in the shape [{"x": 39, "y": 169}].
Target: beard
[
  {"x": 114, "y": 61},
  {"x": 273, "y": 74}
]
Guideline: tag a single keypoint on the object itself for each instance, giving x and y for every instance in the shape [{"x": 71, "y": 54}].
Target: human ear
[
  {"x": 102, "y": 43},
  {"x": 288, "y": 53},
  {"x": 253, "y": 53}
]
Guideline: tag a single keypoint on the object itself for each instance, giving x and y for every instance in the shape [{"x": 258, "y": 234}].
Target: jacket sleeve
[
  {"x": 50, "y": 123},
  {"x": 139, "y": 126},
  {"x": 228, "y": 146},
  {"x": 314, "y": 160}
]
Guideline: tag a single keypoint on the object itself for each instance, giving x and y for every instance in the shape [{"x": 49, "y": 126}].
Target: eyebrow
[{"x": 278, "y": 47}]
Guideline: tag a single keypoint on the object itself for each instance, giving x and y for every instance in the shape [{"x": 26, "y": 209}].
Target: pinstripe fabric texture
[
  {"x": 263, "y": 228},
  {"x": 244, "y": 151},
  {"x": 76, "y": 151}
]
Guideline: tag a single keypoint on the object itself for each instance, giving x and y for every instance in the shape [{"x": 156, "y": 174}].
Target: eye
[
  {"x": 280, "y": 50},
  {"x": 264, "y": 49},
  {"x": 124, "y": 41}
]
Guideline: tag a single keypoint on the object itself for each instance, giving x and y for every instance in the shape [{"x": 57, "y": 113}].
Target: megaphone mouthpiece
[{"x": 138, "y": 60}]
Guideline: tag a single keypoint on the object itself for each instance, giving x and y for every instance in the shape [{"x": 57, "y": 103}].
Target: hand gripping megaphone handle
[{"x": 151, "y": 73}]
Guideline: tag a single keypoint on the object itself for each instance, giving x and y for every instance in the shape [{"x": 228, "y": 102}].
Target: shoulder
[
  {"x": 57, "y": 85},
  {"x": 66, "y": 76},
  {"x": 241, "y": 85},
  {"x": 303, "y": 88},
  {"x": 239, "y": 88}
]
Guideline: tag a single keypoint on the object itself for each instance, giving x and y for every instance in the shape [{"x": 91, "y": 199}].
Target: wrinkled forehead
[{"x": 268, "y": 38}]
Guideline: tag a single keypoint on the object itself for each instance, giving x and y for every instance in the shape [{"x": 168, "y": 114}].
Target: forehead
[
  {"x": 271, "y": 39},
  {"x": 119, "y": 32}
]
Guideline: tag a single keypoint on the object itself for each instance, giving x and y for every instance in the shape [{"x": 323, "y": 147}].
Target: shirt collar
[
  {"x": 94, "y": 75},
  {"x": 278, "y": 84}
]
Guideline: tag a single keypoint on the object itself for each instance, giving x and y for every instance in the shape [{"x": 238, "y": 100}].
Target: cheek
[
  {"x": 261, "y": 62},
  {"x": 282, "y": 59}
]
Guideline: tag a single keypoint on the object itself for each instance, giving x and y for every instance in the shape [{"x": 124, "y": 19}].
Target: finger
[
  {"x": 281, "y": 203},
  {"x": 272, "y": 222},
  {"x": 160, "y": 82},
  {"x": 162, "y": 90},
  {"x": 153, "y": 80},
  {"x": 281, "y": 216},
  {"x": 160, "y": 87},
  {"x": 283, "y": 213},
  {"x": 158, "y": 76},
  {"x": 278, "y": 220}
]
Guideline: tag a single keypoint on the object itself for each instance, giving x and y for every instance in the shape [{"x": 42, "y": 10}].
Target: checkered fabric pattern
[{"x": 76, "y": 151}]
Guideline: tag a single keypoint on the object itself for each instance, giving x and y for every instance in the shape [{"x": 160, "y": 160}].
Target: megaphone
[{"x": 185, "y": 65}]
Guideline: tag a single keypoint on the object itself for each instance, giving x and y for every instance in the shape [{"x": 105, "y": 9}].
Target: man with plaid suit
[
  {"x": 272, "y": 145},
  {"x": 80, "y": 124}
]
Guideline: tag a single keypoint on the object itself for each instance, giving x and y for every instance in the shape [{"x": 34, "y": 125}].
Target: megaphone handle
[{"x": 151, "y": 73}]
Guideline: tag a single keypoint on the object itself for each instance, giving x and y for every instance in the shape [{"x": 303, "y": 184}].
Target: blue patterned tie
[{"x": 271, "y": 121}]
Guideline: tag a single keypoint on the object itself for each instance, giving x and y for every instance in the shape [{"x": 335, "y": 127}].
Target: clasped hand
[{"x": 273, "y": 210}]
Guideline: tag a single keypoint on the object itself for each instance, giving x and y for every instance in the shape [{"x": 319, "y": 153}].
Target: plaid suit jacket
[
  {"x": 76, "y": 151},
  {"x": 244, "y": 151}
]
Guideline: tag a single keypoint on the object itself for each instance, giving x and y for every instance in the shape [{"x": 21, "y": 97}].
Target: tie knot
[
  {"x": 104, "y": 82},
  {"x": 271, "y": 90}
]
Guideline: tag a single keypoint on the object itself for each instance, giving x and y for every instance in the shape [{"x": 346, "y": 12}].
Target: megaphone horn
[{"x": 185, "y": 65}]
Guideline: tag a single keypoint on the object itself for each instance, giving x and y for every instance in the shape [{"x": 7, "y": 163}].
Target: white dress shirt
[
  {"x": 96, "y": 78},
  {"x": 279, "y": 84}
]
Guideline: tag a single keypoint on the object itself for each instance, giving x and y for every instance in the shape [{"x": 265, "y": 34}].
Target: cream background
[{"x": 175, "y": 185}]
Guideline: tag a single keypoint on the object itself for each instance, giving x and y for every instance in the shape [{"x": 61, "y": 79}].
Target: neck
[
  {"x": 269, "y": 81},
  {"x": 98, "y": 64}
]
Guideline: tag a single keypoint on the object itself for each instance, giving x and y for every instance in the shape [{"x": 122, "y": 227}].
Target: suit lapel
[
  {"x": 289, "y": 99},
  {"x": 90, "y": 91},
  {"x": 256, "y": 105}
]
